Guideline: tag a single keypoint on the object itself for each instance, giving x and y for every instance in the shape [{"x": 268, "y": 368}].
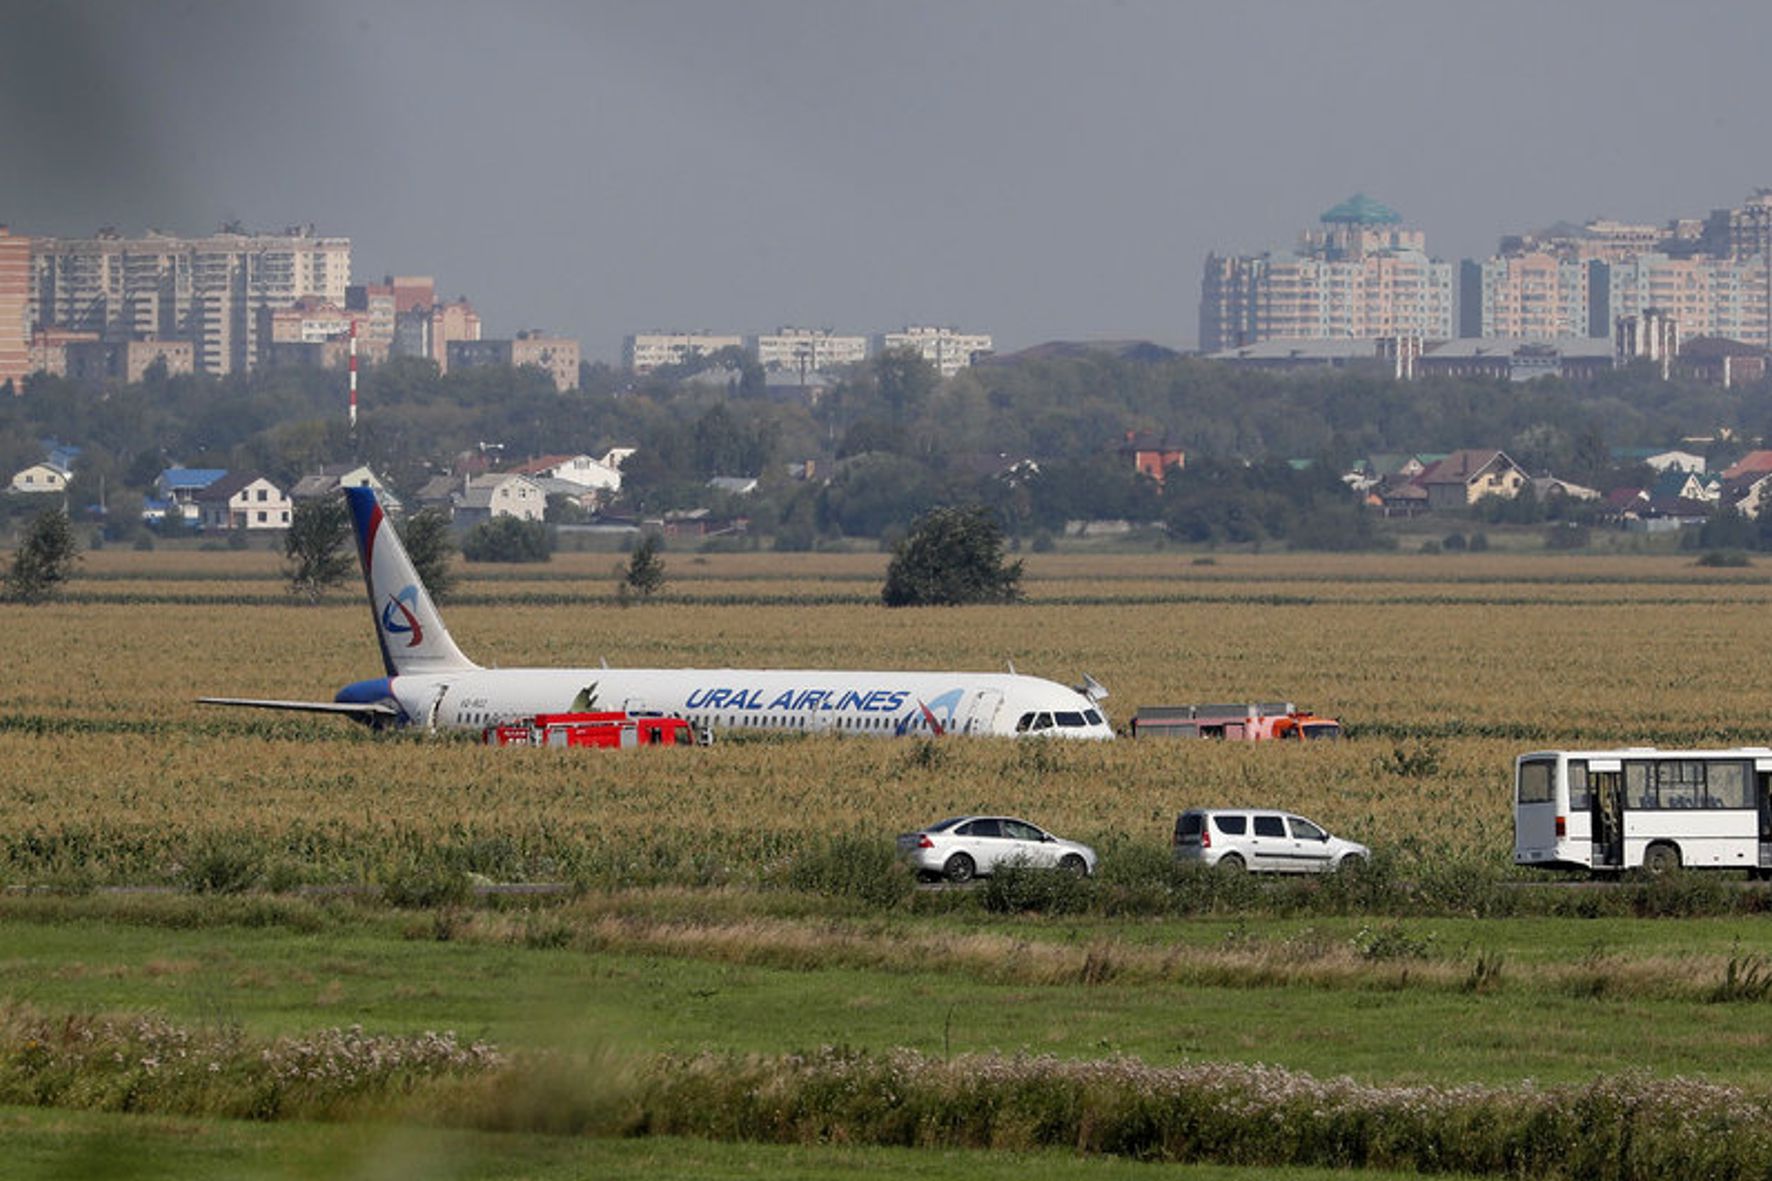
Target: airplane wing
[{"x": 365, "y": 711}]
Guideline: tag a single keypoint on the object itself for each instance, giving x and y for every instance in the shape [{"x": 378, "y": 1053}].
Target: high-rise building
[
  {"x": 205, "y": 290},
  {"x": 1530, "y": 296},
  {"x": 15, "y": 309},
  {"x": 1361, "y": 274},
  {"x": 1742, "y": 232},
  {"x": 1704, "y": 296}
]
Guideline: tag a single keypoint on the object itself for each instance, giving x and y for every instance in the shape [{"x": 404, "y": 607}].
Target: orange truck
[
  {"x": 592, "y": 729},
  {"x": 1255, "y": 722}
]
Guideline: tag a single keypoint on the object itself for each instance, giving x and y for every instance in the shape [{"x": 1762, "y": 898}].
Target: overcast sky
[{"x": 1037, "y": 169}]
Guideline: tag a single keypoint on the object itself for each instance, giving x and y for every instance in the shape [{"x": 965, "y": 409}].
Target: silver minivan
[{"x": 1262, "y": 840}]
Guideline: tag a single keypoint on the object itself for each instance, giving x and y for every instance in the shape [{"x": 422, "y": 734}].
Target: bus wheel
[{"x": 1661, "y": 858}]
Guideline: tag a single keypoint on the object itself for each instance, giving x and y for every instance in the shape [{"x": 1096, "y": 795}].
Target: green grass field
[{"x": 727, "y": 899}]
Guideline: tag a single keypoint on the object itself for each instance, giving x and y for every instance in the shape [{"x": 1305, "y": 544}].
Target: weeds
[
  {"x": 1391, "y": 941},
  {"x": 1747, "y": 978}
]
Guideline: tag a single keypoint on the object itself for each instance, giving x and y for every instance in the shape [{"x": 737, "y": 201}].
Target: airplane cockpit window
[
  {"x": 1024, "y": 723},
  {"x": 1043, "y": 722},
  {"x": 1092, "y": 716},
  {"x": 1071, "y": 719}
]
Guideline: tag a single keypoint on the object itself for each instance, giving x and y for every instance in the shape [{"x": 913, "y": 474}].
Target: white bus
[{"x": 1607, "y": 810}]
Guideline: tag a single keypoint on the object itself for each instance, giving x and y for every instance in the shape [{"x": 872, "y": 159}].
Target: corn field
[{"x": 1441, "y": 668}]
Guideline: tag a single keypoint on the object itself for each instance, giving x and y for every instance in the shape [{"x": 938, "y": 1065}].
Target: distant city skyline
[{"x": 1032, "y": 169}]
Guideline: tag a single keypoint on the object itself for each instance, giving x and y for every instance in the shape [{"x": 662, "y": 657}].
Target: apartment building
[
  {"x": 15, "y": 309},
  {"x": 124, "y": 362},
  {"x": 206, "y": 290},
  {"x": 643, "y": 352},
  {"x": 559, "y": 356},
  {"x": 1704, "y": 296},
  {"x": 1532, "y": 296},
  {"x": 948, "y": 349},
  {"x": 1361, "y": 273},
  {"x": 430, "y": 330},
  {"x": 806, "y": 350},
  {"x": 1743, "y": 232}
]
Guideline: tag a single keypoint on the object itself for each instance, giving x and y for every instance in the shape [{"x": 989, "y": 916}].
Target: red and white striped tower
[{"x": 353, "y": 373}]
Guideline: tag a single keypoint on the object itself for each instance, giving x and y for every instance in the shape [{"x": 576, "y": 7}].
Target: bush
[
  {"x": 863, "y": 868},
  {"x": 1014, "y": 888},
  {"x": 427, "y": 886},
  {"x": 223, "y": 865}
]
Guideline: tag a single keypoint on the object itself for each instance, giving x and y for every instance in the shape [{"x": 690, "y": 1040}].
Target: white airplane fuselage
[
  {"x": 883, "y": 703},
  {"x": 430, "y": 683}
]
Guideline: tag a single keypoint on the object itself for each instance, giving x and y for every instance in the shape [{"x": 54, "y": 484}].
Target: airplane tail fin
[{"x": 411, "y": 633}]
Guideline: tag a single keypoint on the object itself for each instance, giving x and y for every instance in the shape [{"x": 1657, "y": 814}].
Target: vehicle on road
[
  {"x": 1638, "y": 807},
  {"x": 1262, "y": 840},
  {"x": 961, "y": 848}
]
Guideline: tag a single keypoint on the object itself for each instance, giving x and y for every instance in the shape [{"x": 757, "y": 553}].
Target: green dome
[{"x": 1361, "y": 210}]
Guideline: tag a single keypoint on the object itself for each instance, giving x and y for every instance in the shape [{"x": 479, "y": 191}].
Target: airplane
[{"x": 430, "y": 682}]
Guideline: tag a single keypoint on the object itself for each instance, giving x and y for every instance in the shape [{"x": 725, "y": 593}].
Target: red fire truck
[
  {"x": 1247, "y": 722},
  {"x": 593, "y": 729}
]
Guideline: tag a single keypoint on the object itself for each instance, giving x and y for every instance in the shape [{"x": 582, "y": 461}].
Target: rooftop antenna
[{"x": 353, "y": 375}]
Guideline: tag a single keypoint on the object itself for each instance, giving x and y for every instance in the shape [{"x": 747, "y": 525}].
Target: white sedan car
[{"x": 962, "y": 847}]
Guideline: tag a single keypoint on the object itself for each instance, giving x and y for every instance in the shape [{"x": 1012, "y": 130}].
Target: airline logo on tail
[{"x": 397, "y": 617}]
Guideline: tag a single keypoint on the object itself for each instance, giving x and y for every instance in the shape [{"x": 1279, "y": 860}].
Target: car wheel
[
  {"x": 959, "y": 868},
  {"x": 1232, "y": 863},
  {"x": 1074, "y": 865},
  {"x": 1353, "y": 863},
  {"x": 1662, "y": 858}
]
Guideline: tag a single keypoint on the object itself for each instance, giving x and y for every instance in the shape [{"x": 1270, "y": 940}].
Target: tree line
[{"x": 889, "y": 440}]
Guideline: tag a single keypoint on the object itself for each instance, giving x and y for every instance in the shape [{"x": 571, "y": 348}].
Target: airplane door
[
  {"x": 981, "y": 712},
  {"x": 436, "y": 710}
]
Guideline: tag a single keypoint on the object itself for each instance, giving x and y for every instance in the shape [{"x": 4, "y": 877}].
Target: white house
[
  {"x": 333, "y": 476},
  {"x": 178, "y": 489},
  {"x": 42, "y": 477},
  {"x": 1681, "y": 461},
  {"x": 582, "y": 470},
  {"x": 500, "y": 494},
  {"x": 244, "y": 501}
]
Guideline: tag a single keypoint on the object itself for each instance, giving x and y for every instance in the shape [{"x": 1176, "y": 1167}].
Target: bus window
[
  {"x": 1581, "y": 796},
  {"x": 1726, "y": 786},
  {"x": 1639, "y": 786},
  {"x": 1680, "y": 783},
  {"x": 1537, "y": 777}
]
